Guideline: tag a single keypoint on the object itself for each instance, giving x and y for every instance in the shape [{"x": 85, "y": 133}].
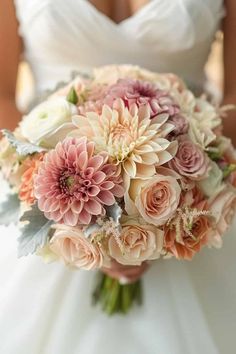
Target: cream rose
[
  {"x": 49, "y": 122},
  {"x": 75, "y": 249},
  {"x": 155, "y": 199},
  {"x": 140, "y": 243},
  {"x": 223, "y": 208}
]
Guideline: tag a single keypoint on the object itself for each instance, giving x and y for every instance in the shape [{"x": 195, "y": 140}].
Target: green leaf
[
  {"x": 72, "y": 96},
  {"x": 35, "y": 233},
  {"x": 214, "y": 155},
  {"x": 10, "y": 210},
  {"x": 228, "y": 170},
  {"x": 22, "y": 148}
]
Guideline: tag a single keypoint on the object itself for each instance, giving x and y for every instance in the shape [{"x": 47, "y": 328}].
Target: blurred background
[{"x": 214, "y": 73}]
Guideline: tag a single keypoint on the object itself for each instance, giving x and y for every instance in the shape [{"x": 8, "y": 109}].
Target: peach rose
[
  {"x": 190, "y": 160},
  {"x": 156, "y": 199},
  {"x": 185, "y": 246},
  {"x": 70, "y": 245},
  {"x": 223, "y": 208},
  {"x": 140, "y": 243}
]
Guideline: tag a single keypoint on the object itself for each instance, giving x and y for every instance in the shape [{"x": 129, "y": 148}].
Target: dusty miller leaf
[
  {"x": 34, "y": 234},
  {"x": 114, "y": 212},
  {"x": 91, "y": 229},
  {"x": 22, "y": 148},
  {"x": 9, "y": 210}
]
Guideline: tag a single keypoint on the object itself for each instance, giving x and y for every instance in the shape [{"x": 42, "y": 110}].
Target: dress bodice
[{"x": 166, "y": 36}]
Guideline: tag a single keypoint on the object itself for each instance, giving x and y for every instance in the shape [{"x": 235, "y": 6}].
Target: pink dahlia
[
  {"x": 73, "y": 183},
  {"x": 141, "y": 93}
]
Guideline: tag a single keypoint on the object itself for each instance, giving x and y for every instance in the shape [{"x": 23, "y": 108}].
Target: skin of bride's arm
[
  {"x": 10, "y": 51},
  {"x": 229, "y": 28}
]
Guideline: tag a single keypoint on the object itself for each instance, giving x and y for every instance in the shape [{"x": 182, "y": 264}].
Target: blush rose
[
  {"x": 140, "y": 243},
  {"x": 75, "y": 249}
]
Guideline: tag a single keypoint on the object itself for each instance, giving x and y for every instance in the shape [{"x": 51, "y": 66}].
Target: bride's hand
[
  {"x": 127, "y": 274},
  {"x": 229, "y": 128}
]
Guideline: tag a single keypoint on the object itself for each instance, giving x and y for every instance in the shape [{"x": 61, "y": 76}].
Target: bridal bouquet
[{"x": 126, "y": 165}]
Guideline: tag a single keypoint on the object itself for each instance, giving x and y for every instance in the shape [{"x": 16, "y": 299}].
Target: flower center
[
  {"x": 75, "y": 185},
  {"x": 121, "y": 133},
  {"x": 43, "y": 115},
  {"x": 70, "y": 181}
]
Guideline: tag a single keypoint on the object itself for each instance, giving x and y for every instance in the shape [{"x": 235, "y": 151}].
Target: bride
[{"x": 189, "y": 308}]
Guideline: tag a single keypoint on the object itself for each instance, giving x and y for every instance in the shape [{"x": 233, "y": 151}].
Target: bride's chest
[{"x": 79, "y": 25}]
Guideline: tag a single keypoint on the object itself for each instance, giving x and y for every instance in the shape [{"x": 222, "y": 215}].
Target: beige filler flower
[{"x": 130, "y": 137}]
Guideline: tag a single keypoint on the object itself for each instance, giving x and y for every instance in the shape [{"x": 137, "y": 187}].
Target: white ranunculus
[
  {"x": 48, "y": 118},
  {"x": 213, "y": 184},
  {"x": 203, "y": 123},
  {"x": 202, "y": 116}
]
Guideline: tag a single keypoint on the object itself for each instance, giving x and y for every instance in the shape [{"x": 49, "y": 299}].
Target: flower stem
[{"x": 115, "y": 297}]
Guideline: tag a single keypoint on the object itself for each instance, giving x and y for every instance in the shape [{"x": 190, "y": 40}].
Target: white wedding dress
[{"x": 189, "y": 307}]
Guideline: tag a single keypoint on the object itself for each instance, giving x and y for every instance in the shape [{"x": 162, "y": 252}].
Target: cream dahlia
[
  {"x": 129, "y": 136},
  {"x": 73, "y": 183}
]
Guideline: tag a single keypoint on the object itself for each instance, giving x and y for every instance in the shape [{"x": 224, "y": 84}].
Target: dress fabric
[{"x": 189, "y": 307}]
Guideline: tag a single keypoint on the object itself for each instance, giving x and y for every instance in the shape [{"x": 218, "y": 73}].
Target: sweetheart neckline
[{"x": 126, "y": 20}]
